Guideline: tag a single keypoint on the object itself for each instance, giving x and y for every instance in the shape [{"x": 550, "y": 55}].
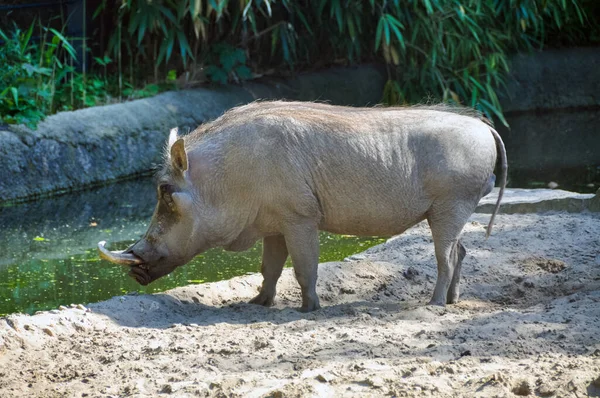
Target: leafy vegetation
[
  {"x": 41, "y": 78},
  {"x": 448, "y": 50},
  {"x": 30, "y": 72}
]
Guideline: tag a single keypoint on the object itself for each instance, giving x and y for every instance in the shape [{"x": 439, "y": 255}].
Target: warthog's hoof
[
  {"x": 263, "y": 299},
  {"x": 310, "y": 307},
  {"x": 437, "y": 303}
]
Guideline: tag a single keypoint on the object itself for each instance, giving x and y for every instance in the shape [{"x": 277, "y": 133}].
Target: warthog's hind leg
[
  {"x": 274, "y": 255},
  {"x": 456, "y": 256},
  {"x": 446, "y": 221}
]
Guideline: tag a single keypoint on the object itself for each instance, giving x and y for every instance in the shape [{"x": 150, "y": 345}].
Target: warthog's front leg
[
  {"x": 274, "y": 255},
  {"x": 302, "y": 241}
]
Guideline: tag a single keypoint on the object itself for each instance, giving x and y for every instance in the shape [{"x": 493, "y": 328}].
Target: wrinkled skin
[{"x": 282, "y": 171}]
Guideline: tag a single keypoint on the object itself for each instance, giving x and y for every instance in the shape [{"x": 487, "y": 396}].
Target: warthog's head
[{"x": 173, "y": 237}]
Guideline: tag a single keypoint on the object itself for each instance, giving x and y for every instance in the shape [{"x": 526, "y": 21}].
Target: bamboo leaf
[
  {"x": 15, "y": 95},
  {"x": 66, "y": 45},
  {"x": 27, "y": 36},
  {"x": 496, "y": 111},
  {"x": 302, "y": 18},
  {"x": 428, "y": 6},
  {"x": 386, "y": 31},
  {"x": 379, "y": 33}
]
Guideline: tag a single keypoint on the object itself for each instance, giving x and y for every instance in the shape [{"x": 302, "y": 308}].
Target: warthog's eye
[{"x": 165, "y": 194}]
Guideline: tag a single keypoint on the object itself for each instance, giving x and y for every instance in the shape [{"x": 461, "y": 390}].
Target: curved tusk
[{"x": 118, "y": 257}]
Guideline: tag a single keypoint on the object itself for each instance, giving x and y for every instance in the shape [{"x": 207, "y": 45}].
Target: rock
[
  {"x": 13, "y": 323},
  {"x": 62, "y": 307},
  {"x": 498, "y": 377},
  {"x": 325, "y": 377},
  {"x": 81, "y": 307},
  {"x": 571, "y": 387},
  {"x": 375, "y": 382},
  {"x": 528, "y": 284},
  {"x": 449, "y": 370},
  {"x": 79, "y": 327},
  {"x": 552, "y": 185},
  {"x": 547, "y": 264},
  {"x": 522, "y": 388},
  {"x": 48, "y": 331},
  {"x": 546, "y": 391},
  {"x": 410, "y": 273},
  {"x": 260, "y": 344}
]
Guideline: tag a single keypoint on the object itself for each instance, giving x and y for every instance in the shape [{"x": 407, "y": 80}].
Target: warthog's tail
[{"x": 503, "y": 173}]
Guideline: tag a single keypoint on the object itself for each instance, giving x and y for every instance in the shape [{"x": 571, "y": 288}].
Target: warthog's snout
[
  {"x": 142, "y": 268},
  {"x": 138, "y": 269},
  {"x": 122, "y": 257}
]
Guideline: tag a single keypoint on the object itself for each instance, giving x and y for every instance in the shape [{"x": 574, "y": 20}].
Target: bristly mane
[
  {"x": 164, "y": 169},
  {"x": 458, "y": 109}
]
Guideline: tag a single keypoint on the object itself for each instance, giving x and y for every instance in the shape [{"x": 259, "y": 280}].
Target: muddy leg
[
  {"x": 456, "y": 256},
  {"x": 274, "y": 255},
  {"x": 303, "y": 244},
  {"x": 446, "y": 222}
]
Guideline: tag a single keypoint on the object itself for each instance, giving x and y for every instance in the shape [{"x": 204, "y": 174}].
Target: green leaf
[
  {"x": 243, "y": 72},
  {"x": 216, "y": 74},
  {"x": 168, "y": 13},
  {"x": 274, "y": 40},
  {"x": 184, "y": 46},
  {"x": 67, "y": 46},
  {"x": 15, "y": 94},
  {"x": 152, "y": 89},
  {"x": 285, "y": 46},
  {"x": 396, "y": 26},
  {"x": 31, "y": 69},
  {"x": 495, "y": 111},
  {"x": 27, "y": 36},
  {"x": 40, "y": 239},
  {"x": 268, "y": 5},
  {"x": 379, "y": 32},
  {"x": 99, "y": 9},
  {"x": 240, "y": 56},
  {"x": 428, "y": 6},
  {"x": 227, "y": 59},
  {"x": 386, "y": 31},
  {"x": 302, "y": 18},
  {"x": 338, "y": 16}
]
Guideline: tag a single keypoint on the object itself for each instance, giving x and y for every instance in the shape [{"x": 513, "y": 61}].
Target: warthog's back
[{"x": 369, "y": 171}]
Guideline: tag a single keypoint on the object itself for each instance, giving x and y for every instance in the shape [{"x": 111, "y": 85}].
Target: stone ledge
[
  {"x": 517, "y": 201},
  {"x": 73, "y": 150}
]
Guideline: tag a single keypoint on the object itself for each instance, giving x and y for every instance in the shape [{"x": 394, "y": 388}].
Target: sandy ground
[{"x": 528, "y": 324}]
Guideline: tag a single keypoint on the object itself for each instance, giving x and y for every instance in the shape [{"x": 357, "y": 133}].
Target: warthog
[{"x": 282, "y": 171}]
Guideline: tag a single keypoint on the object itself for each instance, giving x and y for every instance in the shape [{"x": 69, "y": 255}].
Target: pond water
[{"x": 48, "y": 249}]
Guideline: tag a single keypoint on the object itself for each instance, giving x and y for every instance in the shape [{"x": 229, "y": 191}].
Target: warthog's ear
[
  {"x": 173, "y": 136},
  {"x": 179, "y": 158}
]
